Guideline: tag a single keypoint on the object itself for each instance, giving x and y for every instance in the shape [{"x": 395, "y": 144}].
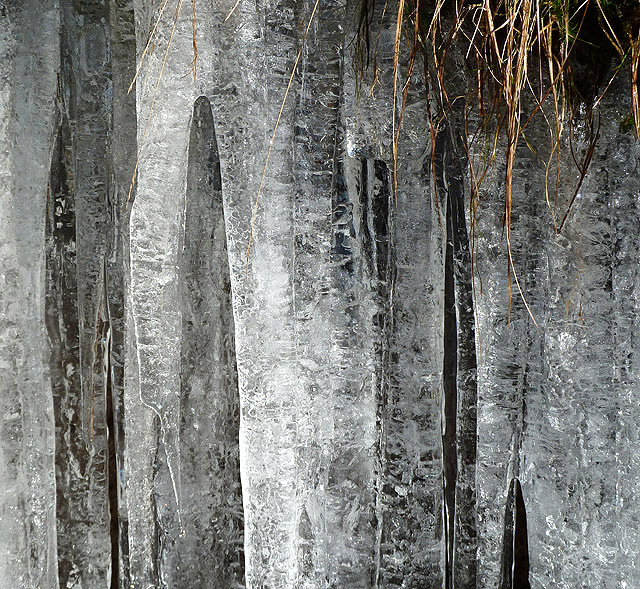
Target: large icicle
[
  {"x": 241, "y": 83},
  {"x": 510, "y": 364},
  {"x": 335, "y": 279},
  {"x": 555, "y": 403},
  {"x": 407, "y": 276},
  {"x": 30, "y": 56},
  {"x": 305, "y": 313},
  {"x": 579, "y": 477},
  {"x": 165, "y": 99},
  {"x": 255, "y": 57}
]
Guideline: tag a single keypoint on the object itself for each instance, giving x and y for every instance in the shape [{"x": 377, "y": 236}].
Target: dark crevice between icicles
[
  {"x": 73, "y": 459},
  {"x": 382, "y": 208},
  {"x": 158, "y": 533},
  {"x": 467, "y": 428},
  {"x": 459, "y": 428},
  {"x": 114, "y": 401},
  {"x": 376, "y": 210},
  {"x": 450, "y": 397},
  {"x": 112, "y": 474},
  {"x": 122, "y": 140},
  {"x": 514, "y": 564},
  {"x": 342, "y": 226},
  {"x": 375, "y": 207},
  {"x": 64, "y": 339},
  {"x": 366, "y": 231},
  {"x": 209, "y": 553},
  {"x": 112, "y": 461}
]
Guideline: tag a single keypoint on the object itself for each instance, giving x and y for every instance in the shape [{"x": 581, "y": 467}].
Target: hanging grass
[{"x": 525, "y": 59}]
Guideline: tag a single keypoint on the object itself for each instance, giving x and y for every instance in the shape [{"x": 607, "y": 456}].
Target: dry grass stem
[
  {"x": 273, "y": 135},
  {"x": 525, "y": 53}
]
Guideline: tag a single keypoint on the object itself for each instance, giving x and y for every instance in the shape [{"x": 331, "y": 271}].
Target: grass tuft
[{"x": 529, "y": 59}]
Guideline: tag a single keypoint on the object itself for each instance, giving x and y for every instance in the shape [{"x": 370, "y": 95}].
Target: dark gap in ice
[
  {"x": 209, "y": 554},
  {"x": 449, "y": 375},
  {"x": 466, "y": 533},
  {"x": 377, "y": 212},
  {"x": 381, "y": 222},
  {"x": 374, "y": 206},
  {"x": 365, "y": 218},
  {"x": 114, "y": 417},
  {"x": 122, "y": 157},
  {"x": 112, "y": 476},
  {"x": 64, "y": 338},
  {"x": 514, "y": 565},
  {"x": 459, "y": 435},
  {"x": 342, "y": 225}
]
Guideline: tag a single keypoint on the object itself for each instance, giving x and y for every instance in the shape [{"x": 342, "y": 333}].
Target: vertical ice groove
[
  {"x": 378, "y": 201},
  {"x": 123, "y": 157},
  {"x": 152, "y": 413},
  {"x": 351, "y": 476},
  {"x": 29, "y": 45},
  {"x": 316, "y": 119},
  {"x": 209, "y": 553}
]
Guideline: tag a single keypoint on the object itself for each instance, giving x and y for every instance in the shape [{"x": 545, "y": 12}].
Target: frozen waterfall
[{"x": 246, "y": 341}]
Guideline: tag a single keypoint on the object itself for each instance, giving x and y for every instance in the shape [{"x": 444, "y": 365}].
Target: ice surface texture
[
  {"x": 348, "y": 406},
  {"x": 29, "y": 44}
]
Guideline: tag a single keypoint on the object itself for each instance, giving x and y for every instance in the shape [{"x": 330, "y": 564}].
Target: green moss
[{"x": 627, "y": 124}]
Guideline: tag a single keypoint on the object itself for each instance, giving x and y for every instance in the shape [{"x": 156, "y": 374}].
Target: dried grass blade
[{"x": 275, "y": 130}]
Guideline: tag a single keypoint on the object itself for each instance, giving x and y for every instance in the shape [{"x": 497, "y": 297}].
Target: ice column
[
  {"x": 305, "y": 312},
  {"x": 152, "y": 404},
  {"x": 580, "y": 469},
  {"x": 401, "y": 251},
  {"x": 555, "y": 400},
  {"x": 30, "y": 56}
]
